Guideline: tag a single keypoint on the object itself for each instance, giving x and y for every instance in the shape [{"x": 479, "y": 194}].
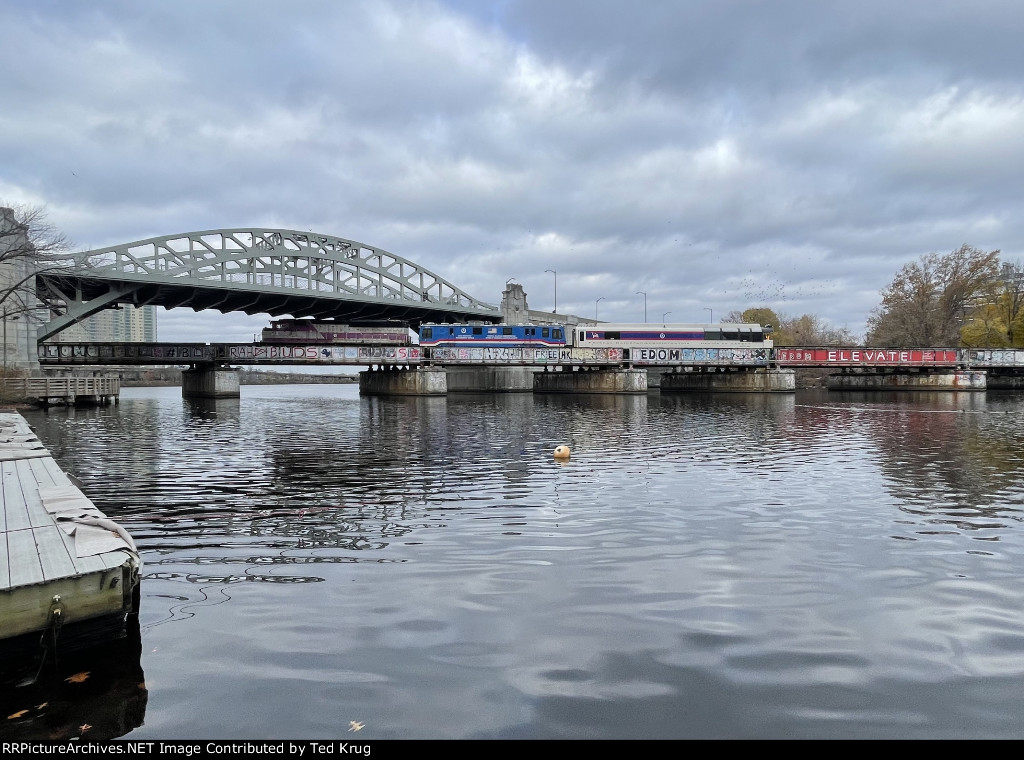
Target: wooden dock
[
  {"x": 62, "y": 562},
  {"x": 48, "y": 391}
]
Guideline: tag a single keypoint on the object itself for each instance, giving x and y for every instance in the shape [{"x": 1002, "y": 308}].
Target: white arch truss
[{"x": 274, "y": 271}]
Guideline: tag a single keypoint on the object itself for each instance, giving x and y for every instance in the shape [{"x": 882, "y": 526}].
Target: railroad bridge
[
  {"x": 304, "y": 274},
  {"x": 852, "y": 368}
]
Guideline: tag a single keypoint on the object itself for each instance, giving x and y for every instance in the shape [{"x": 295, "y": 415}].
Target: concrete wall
[
  {"x": 593, "y": 381},
  {"x": 759, "y": 380},
  {"x": 425, "y": 381},
  {"x": 1004, "y": 382},
  {"x": 949, "y": 380},
  {"x": 490, "y": 379},
  {"x": 210, "y": 382}
]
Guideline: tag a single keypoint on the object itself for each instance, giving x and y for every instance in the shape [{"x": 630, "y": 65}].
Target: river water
[{"x": 817, "y": 565}]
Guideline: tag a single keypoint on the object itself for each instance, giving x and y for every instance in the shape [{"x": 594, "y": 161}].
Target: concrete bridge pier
[
  {"x": 741, "y": 380},
  {"x": 1005, "y": 380},
  {"x": 922, "y": 380},
  {"x": 585, "y": 380},
  {"x": 391, "y": 380},
  {"x": 210, "y": 381},
  {"x": 490, "y": 379}
]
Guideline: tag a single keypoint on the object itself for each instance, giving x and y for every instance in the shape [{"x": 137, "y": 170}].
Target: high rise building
[{"x": 125, "y": 324}]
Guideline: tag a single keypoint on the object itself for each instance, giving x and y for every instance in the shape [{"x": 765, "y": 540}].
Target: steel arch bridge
[{"x": 255, "y": 270}]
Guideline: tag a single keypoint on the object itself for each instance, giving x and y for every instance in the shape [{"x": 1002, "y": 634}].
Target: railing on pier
[{"x": 45, "y": 390}]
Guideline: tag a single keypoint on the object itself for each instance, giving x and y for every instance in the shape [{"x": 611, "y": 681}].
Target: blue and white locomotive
[{"x": 492, "y": 336}]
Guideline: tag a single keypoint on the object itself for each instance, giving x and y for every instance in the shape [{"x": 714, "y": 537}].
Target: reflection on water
[
  {"x": 824, "y": 565},
  {"x": 94, "y": 694}
]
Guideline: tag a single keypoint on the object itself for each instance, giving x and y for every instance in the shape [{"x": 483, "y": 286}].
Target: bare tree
[{"x": 29, "y": 244}]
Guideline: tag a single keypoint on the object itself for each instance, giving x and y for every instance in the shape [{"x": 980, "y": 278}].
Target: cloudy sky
[{"x": 716, "y": 154}]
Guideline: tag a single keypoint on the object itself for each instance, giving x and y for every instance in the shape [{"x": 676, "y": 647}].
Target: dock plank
[
  {"x": 5, "y": 569},
  {"x": 54, "y": 558},
  {"x": 26, "y": 568},
  {"x": 3, "y": 502},
  {"x": 37, "y": 514},
  {"x": 42, "y": 473},
  {"x": 15, "y": 508},
  {"x": 60, "y": 478}
]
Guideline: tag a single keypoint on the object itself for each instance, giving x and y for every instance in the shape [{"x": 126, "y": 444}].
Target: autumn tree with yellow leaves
[
  {"x": 805, "y": 330},
  {"x": 931, "y": 301}
]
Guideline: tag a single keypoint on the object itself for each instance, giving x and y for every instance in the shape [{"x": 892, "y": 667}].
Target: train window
[
  {"x": 730, "y": 334},
  {"x": 544, "y": 332},
  {"x": 611, "y": 335},
  {"x": 582, "y": 336},
  {"x": 478, "y": 331},
  {"x": 557, "y": 334},
  {"x": 712, "y": 335},
  {"x": 428, "y": 332},
  {"x": 451, "y": 330},
  {"x": 506, "y": 330}
]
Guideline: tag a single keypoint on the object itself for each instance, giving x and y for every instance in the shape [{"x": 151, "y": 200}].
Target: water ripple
[{"x": 740, "y": 566}]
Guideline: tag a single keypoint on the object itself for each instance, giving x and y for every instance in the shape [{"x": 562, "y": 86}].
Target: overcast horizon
[{"x": 716, "y": 156}]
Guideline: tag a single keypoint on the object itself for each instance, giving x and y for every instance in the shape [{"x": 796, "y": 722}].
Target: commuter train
[
  {"x": 629, "y": 343},
  {"x": 313, "y": 332},
  {"x": 637, "y": 336},
  {"x": 604, "y": 342}
]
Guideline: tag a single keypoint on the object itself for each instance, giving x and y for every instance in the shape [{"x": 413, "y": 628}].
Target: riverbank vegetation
[{"x": 965, "y": 298}]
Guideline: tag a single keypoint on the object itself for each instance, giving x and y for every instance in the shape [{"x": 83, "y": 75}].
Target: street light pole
[
  {"x": 664, "y": 315},
  {"x": 595, "y": 305},
  {"x": 642, "y": 293},
  {"x": 554, "y": 310},
  {"x": 711, "y": 318}
]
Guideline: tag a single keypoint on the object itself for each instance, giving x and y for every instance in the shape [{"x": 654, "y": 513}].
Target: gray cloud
[{"x": 716, "y": 155}]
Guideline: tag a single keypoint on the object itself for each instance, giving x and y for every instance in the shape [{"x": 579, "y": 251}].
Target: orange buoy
[{"x": 562, "y": 452}]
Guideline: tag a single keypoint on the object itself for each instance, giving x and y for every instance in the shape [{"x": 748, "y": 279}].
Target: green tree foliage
[
  {"x": 997, "y": 320},
  {"x": 760, "y": 316},
  {"x": 985, "y": 329},
  {"x": 932, "y": 299},
  {"x": 805, "y": 330}
]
